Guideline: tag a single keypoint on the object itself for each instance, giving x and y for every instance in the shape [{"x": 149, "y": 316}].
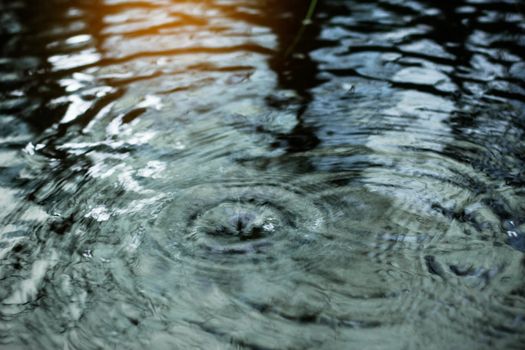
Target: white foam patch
[{"x": 99, "y": 213}]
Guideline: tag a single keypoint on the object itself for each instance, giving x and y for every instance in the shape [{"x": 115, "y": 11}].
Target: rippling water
[{"x": 223, "y": 174}]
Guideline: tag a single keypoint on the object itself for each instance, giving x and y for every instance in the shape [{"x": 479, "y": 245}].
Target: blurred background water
[{"x": 222, "y": 174}]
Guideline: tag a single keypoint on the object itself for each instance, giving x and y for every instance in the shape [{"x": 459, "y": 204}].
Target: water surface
[{"x": 225, "y": 175}]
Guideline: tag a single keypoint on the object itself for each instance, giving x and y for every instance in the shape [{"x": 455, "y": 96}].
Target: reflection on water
[{"x": 216, "y": 174}]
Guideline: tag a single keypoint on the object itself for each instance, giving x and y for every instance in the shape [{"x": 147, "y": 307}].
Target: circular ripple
[
  {"x": 274, "y": 246},
  {"x": 238, "y": 218}
]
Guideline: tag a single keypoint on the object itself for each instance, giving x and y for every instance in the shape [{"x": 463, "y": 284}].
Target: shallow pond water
[{"x": 225, "y": 175}]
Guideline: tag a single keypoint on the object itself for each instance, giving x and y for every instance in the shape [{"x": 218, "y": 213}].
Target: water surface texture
[{"x": 222, "y": 174}]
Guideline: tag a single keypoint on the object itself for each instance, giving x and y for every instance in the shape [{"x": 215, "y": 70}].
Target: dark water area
[{"x": 224, "y": 174}]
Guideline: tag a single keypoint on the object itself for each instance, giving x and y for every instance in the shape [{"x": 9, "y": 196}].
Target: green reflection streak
[{"x": 306, "y": 21}]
